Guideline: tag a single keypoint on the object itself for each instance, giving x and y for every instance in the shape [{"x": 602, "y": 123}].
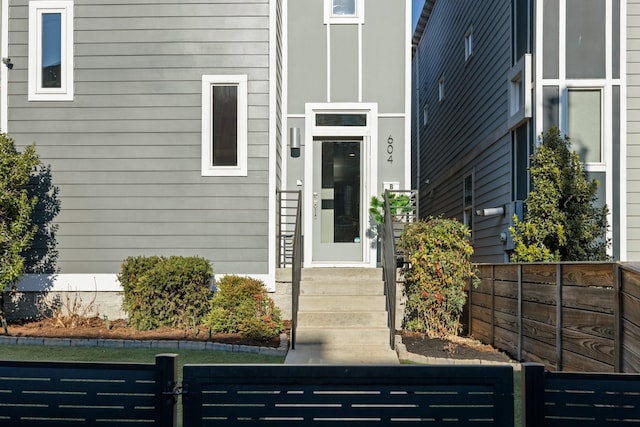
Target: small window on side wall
[
  {"x": 468, "y": 44},
  {"x": 224, "y": 125},
  {"x": 343, "y": 11},
  {"x": 50, "y": 75},
  {"x": 441, "y": 89}
]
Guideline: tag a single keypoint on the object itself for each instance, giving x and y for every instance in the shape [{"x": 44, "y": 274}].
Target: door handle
[{"x": 315, "y": 205}]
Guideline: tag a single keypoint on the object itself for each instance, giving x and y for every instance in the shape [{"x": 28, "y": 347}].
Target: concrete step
[
  {"x": 342, "y": 303},
  {"x": 345, "y": 319},
  {"x": 343, "y": 337},
  {"x": 331, "y": 274},
  {"x": 364, "y": 354},
  {"x": 345, "y": 287}
]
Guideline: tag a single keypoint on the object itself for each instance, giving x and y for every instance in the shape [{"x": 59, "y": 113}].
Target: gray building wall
[
  {"x": 384, "y": 82},
  {"x": 125, "y": 153},
  {"x": 466, "y": 132},
  {"x": 633, "y": 130}
]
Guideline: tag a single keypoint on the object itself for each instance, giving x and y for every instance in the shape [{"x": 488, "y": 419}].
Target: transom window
[
  {"x": 50, "y": 51},
  {"x": 343, "y": 11},
  {"x": 224, "y": 125}
]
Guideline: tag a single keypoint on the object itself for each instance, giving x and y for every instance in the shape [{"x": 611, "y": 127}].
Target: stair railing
[
  {"x": 296, "y": 271},
  {"x": 288, "y": 202},
  {"x": 395, "y": 218},
  {"x": 389, "y": 264}
]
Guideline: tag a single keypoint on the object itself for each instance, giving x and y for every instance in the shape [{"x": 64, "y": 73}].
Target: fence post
[
  {"x": 520, "y": 340},
  {"x": 532, "y": 394},
  {"x": 493, "y": 305},
  {"x": 617, "y": 318},
  {"x": 559, "y": 284},
  {"x": 166, "y": 378}
]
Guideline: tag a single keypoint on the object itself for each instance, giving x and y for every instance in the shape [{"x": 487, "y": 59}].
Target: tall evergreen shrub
[{"x": 563, "y": 221}]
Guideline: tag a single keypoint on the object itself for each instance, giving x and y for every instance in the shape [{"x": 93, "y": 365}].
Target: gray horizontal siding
[
  {"x": 466, "y": 131},
  {"x": 125, "y": 153},
  {"x": 633, "y": 130}
]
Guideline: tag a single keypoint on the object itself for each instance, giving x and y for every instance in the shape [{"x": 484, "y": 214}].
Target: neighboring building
[
  {"x": 165, "y": 125},
  {"x": 490, "y": 78}
]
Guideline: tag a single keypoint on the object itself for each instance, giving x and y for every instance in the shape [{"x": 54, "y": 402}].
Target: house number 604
[{"x": 390, "y": 149}]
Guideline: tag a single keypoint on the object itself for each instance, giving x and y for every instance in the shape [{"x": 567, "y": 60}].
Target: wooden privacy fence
[{"x": 568, "y": 316}]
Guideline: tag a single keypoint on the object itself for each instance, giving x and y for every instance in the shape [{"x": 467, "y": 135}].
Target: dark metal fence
[
  {"x": 348, "y": 395},
  {"x": 578, "y": 399},
  {"x": 39, "y": 394},
  {"x": 568, "y": 316},
  {"x": 43, "y": 394}
]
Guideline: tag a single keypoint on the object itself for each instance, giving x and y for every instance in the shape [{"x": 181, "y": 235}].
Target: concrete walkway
[{"x": 317, "y": 354}]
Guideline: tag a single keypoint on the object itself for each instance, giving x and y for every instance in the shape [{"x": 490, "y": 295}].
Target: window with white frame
[
  {"x": 520, "y": 88},
  {"x": 584, "y": 123},
  {"x": 441, "y": 89},
  {"x": 50, "y": 75},
  {"x": 343, "y": 11},
  {"x": 468, "y": 44},
  {"x": 224, "y": 125}
]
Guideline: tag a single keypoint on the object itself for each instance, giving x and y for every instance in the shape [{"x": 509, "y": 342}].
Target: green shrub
[
  {"x": 563, "y": 220},
  {"x": 161, "y": 291},
  {"x": 398, "y": 204},
  {"x": 241, "y": 305},
  {"x": 439, "y": 256}
]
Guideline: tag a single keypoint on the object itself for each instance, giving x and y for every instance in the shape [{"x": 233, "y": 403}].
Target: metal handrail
[
  {"x": 296, "y": 271},
  {"x": 390, "y": 257},
  {"x": 389, "y": 264},
  {"x": 288, "y": 202}
]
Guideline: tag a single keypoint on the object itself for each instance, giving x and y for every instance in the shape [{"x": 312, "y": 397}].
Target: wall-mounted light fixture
[
  {"x": 7, "y": 62},
  {"x": 497, "y": 211},
  {"x": 295, "y": 141}
]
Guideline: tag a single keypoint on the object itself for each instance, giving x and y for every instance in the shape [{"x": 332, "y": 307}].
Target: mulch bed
[{"x": 460, "y": 348}]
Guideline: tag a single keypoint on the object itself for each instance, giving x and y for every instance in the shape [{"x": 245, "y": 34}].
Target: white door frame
[{"x": 369, "y": 135}]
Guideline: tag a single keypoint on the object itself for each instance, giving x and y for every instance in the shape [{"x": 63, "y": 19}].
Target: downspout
[{"x": 417, "y": 116}]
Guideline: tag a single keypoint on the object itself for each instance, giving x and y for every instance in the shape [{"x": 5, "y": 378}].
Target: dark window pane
[
  {"x": 551, "y": 112},
  {"x": 341, "y": 119},
  {"x": 586, "y": 39},
  {"x": 51, "y": 50},
  {"x": 225, "y": 126}
]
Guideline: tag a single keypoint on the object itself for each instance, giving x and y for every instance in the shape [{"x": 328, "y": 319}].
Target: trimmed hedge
[
  {"x": 165, "y": 292},
  {"x": 242, "y": 305}
]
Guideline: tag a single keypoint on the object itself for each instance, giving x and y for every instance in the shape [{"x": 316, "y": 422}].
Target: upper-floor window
[
  {"x": 50, "y": 51},
  {"x": 468, "y": 44},
  {"x": 584, "y": 123},
  {"x": 343, "y": 11},
  {"x": 441, "y": 89},
  {"x": 224, "y": 125},
  {"x": 425, "y": 115}
]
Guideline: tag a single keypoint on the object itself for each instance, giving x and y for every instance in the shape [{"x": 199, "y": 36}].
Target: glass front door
[{"x": 337, "y": 201}]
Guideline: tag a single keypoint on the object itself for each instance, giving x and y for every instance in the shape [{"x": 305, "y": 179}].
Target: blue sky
[{"x": 416, "y": 9}]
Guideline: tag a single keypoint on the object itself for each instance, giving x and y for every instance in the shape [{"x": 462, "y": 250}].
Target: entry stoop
[{"x": 342, "y": 318}]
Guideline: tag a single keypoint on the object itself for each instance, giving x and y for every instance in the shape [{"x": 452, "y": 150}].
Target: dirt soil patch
[
  {"x": 97, "y": 328},
  {"x": 452, "y": 348}
]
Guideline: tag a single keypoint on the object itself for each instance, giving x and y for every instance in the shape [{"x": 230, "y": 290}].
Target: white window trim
[
  {"x": 468, "y": 44},
  {"x": 604, "y": 123},
  {"x": 65, "y": 92},
  {"x": 208, "y": 82},
  {"x": 520, "y": 92},
  {"x": 441, "y": 94},
  {"x": 329, "y": 18}
]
